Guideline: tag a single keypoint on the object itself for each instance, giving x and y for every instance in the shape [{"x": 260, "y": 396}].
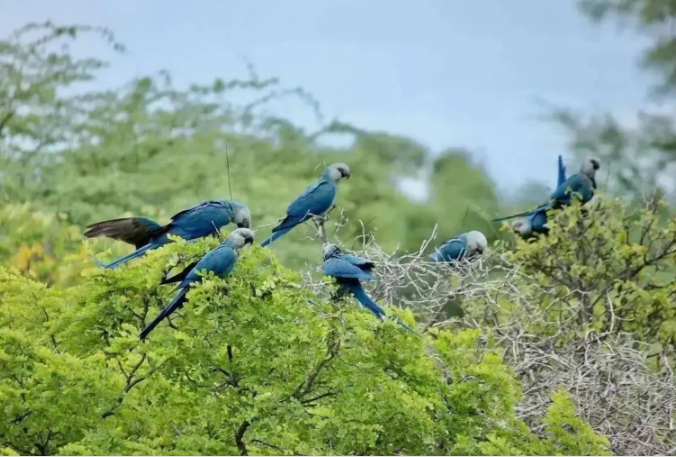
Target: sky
[{"x": 448, "y": 73}]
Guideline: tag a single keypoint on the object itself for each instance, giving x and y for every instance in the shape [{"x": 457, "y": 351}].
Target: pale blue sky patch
[{"x": 448, "y": 73}]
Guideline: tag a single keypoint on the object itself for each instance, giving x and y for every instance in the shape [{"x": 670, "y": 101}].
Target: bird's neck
[{"x": 326, "y": 177}]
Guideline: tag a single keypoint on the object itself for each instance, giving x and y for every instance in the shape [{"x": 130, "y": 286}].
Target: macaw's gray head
[
  {"x": 590, "y": 166},
  {"x": 337, "y": 171},
  {"x": 241, "y": 215},
  {"x": 240, "y": 237},
  {"x": 522, "y": 226},
  {"x": 329, "y": 250},
  {"x": 476, "y": 242}
]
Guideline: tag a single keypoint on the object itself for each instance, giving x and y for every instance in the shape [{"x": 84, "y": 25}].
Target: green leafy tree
[
  {"x": 36, "y": 243},
  {"x": 590, "y": 308},
  {"x": 253, "y": 364},
  {"x": 264, "y": 362}
]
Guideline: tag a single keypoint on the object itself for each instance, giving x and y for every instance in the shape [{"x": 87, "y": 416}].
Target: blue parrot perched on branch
[
  {"x": 582, "y": 183},
  {"x": 315, "y": 201},
  {"x": 221, "y": 261},
  {"x": 349, "y": 270},
  {"x": 536, "y": 223},
  {"x": 461, "y": 247},
  {"x": 145, "y": 234}
]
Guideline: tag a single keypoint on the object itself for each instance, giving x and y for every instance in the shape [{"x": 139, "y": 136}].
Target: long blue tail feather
[
  {"x": 513, "y": 216},
  {"x": 176, "y": 303},
  {"x": 275, "y": 235},
  {"x": 543, "y": 207},
  {"x": 365, "y": 300},
  {"x": 561, "y": 178},
  {"x": 137, "y": 253},
  {"x": 368, "y": 303}
]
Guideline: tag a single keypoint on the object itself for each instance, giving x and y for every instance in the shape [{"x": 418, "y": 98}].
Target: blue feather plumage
[
  {"x": 349, "y": 270},
  {"x": 578, "y": 183},
  {"x": 220, "y": 261},
  {"x": 316, "y": 200},
  {"x": 204, "y": 219},
  {"x": 453, "y": 249}
]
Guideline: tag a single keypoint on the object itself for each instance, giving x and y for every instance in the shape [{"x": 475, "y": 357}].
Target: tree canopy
[{"x": 563, "y": 345}]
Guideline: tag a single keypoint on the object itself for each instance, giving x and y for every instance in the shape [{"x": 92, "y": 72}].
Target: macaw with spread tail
[
  {"x": 348, "y": 271},
  {"x": 315, "y": 201},
  {"x": 145, "y": 234},
  {"x": 582, "y": 183},
  {"x": 536, "y": 223},
  {"x": 463, "y": 246},
  {"x": 221, "y": 261}
]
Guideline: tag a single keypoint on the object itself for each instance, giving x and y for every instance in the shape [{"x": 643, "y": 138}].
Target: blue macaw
[
  {"x": 315, "y": 201},
  {"x": 348, "y": 270},
  {"x": 221, "y": 261},
  {"x": 582, "y": 183},
  {"x": 196, "y": 222},
  {"x": 536, "y": 223},
  {"x": 463, "y": 246}
]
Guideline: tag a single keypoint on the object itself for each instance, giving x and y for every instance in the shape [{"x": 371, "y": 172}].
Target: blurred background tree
[
  {"x": 640, "y": 155},
  {"x": 149, "y": 148}
]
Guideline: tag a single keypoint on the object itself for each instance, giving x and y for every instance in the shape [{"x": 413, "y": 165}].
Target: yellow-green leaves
[{"x": 253, "y": 362}]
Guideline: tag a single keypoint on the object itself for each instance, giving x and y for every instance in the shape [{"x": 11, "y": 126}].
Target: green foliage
[
  {"x": 569, "y": 432},
  {"x": 566, "y": 434},
  {"x": 253, "y": 364},
  {"x": 590, "y": 310},
  {"x": 257, "y": 363},
  {"x": 35, "y": 243},
  {"x": 611, "y": 271}
]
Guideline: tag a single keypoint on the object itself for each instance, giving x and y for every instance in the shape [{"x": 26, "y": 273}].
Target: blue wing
[
  {"x": 453, "y": 249},
  {"x": 538, "y": 222},
  {"x": 138, "y": 231},
  {"x": 341, "y": 268},
  {"x": 178, "y": 277},
  {"x": 196, "y": 207},
  {"x": 562, "y": 195},
  {"x": 221, "y": 261},
  {"x": 316, "y": 200},
  {"x": 201, "y": 220},
  {"x": 361, "y": 262},
  {"x": 561, "y": 177}
]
